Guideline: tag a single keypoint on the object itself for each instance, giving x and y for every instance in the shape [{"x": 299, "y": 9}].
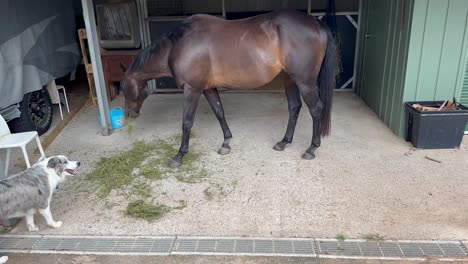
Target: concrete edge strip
[
  {"x": 103, "y": 253},
  {"x": 175, "y": 240},
  {"x": 458, "y": 242}
]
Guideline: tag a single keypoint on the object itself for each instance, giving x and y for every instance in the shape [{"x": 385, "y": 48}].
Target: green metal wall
[
  {"x": 437, "y": 51},
  {"x": 383, "y": 57},
  {"x": 426, "y": 61},
  {"x": 464, "y": 85}
]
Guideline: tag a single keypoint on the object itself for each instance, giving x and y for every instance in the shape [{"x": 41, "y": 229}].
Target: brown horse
[{"x": 206, "y": 52}]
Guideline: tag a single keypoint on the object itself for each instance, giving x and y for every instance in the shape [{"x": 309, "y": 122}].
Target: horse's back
[{"x": 244, "y": 53}]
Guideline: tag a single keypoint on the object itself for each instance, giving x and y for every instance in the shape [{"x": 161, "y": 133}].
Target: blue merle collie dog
[{"x": 29, "y": 192}]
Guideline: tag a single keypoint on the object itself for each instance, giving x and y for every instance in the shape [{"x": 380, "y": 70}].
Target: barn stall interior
[
  {"x": 376, "y": 54},
  {"x": 278, "y": 193}
]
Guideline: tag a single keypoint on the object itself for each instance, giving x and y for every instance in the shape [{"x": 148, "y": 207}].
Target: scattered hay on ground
[{"x": 132, "y": 174}]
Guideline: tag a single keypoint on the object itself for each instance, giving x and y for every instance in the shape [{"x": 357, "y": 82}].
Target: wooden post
[{"x": 89, "y": 68}]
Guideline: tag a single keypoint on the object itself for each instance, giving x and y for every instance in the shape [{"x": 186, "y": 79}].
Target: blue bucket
[{"x": 117, "y": 117}]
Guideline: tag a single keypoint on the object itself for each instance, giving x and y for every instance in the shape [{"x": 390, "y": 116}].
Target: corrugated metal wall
[
  {"x": 437, "y": 50},
  {"x": 383, "y": 57},
  {"x": 427, "y": 62},
  {"x": 464, "y": 90}
]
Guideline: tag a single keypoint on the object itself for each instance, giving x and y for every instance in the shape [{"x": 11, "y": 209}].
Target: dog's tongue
[{"x": 71, "y": 171}]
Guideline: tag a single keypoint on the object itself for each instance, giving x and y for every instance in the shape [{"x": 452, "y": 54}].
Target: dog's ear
[
  {"x": 57, "y": 164},
  {"x": 54, "y": 162}
]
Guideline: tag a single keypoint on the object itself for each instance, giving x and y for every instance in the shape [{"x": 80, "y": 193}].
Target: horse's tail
[{"x": 326, "y": 80}]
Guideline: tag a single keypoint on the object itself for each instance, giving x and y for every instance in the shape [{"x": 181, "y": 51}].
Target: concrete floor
[{"x": 364, "y": 179}]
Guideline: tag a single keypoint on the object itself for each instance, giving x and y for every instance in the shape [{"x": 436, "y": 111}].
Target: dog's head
[{"x": 63, "y": 166}]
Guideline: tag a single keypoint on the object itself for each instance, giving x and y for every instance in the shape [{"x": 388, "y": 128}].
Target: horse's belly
[
  {"x": 246, "y": 75},
  {"x": 248, "y": 59},
  {"x": 246, "y": 81}
]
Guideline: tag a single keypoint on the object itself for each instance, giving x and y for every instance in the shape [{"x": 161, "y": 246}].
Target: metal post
[
  {"x": 2, "y": 169},
  {"x": 145, "y": 34},
  {"x": 356, "y": 52},
  {"x": 309, "y": 7},
  {"x": 223, "y": 6},
  {"x": 142, "y": 22},
  {"x": 98, "y": 74}
]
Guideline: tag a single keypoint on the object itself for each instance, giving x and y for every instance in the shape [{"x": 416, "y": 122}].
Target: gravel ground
[{"x": 364, "y": 179}]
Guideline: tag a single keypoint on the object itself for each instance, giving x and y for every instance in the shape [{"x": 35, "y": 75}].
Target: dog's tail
[{"x": 3, "y": 259}]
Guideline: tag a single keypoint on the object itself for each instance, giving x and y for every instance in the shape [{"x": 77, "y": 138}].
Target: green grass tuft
[
  {"x": 189, "y": 172},
  {"x": 374, "y": 237},
  {"x": 130, "y": 123},
  {"x": 342, "y": 237},
  {"x": 142, "y": 189},
  {"x": 142, "y": 210},
  {"x": 209, "y": 194},
  {"x": 151, "y": 172},
  {"x": 182, "y": 205},
  {"x": 191, "y": 176},
  {"x": 216, "y": 191}
]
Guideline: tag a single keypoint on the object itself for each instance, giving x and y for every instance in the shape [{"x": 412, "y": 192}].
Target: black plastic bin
[{"x": 435, "y": 129}]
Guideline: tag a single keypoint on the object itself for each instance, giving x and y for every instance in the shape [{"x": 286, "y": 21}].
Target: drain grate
[
  {"x": 322, "y": 248},
  {"x": 392, "y": 249},
  {"x": 136, "y": 245}
]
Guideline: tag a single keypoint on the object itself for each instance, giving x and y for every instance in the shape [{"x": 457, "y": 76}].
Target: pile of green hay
[
  {"x": 131, "y": 172},
  {"x": 143, "y": 210},
  {"x": 116, "y": 172}
]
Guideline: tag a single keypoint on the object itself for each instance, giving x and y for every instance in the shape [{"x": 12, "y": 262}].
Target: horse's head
[{"x": 135, "y": 93}]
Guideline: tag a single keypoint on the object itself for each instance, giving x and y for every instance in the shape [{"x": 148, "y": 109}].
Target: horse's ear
[{"x": 123, "y": 67}]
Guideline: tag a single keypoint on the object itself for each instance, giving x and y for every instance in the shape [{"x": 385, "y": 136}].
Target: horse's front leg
[{"x": 191, "y": 98}]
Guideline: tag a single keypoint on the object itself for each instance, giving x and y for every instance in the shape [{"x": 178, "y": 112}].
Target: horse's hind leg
[
  {"x": 310, "y": 94},
  {"x": 294, "y": 106},
  {"x": 212, "y": 96}
]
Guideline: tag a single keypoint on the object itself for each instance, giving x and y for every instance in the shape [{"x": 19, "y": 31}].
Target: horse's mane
[{"x": 147, "y": 53}]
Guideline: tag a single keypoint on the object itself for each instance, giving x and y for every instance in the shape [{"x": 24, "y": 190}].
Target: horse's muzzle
[{"x": 132, "y": 114}]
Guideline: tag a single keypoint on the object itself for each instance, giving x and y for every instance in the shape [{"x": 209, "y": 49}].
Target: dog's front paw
[
  {"x": 33, "y": 228},
  {"x": 57, "y": 224}
]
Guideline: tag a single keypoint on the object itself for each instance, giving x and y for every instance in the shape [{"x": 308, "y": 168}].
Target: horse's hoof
[
  {"x": 175, "y": 164},
  {"x": 308, "y": 156},
  {"x": 224, "y": 150},
  {"x": 280, "y": 146}
]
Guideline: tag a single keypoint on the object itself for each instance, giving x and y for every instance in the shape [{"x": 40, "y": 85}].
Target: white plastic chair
[
  {"x": 55, "y": 95},
  {"x": 17, "y": 140},
  {"x": 66, "y": 100}
]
